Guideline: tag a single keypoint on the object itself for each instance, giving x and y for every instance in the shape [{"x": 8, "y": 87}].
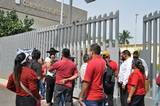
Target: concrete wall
[{"x": 44, "y": 12}]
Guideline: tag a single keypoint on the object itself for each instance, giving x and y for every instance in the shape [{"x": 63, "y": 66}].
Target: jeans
[
  {"x": 94, "y": 103},
  {"x": 66, "y": 92},
  {"x": 41, "y": 88},
  {"x": 157, "y": 99},
  {"x": 25, "y": 101}
]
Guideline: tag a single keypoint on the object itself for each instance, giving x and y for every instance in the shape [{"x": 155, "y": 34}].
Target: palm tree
[{"x": 124, "y": 37}]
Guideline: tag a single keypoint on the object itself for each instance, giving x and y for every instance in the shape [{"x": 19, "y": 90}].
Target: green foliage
[
  {"x": 10, "y": 24},
  {"x": 124, "y": 37}
]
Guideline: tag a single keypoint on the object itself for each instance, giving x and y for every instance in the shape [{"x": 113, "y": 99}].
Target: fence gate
[
  {"x": 151, "y": 48},
  {"x": 77, "y": 37}
]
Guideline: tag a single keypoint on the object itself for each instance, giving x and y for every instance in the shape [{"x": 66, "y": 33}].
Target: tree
[
  {"x": 124, "y": 37},
  {"x": 10, "y": 24}
]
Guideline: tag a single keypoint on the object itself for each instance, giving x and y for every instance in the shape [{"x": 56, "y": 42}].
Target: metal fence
[
  {"x": 151, "y": 48},
  {"x": 78, "y": 36}
]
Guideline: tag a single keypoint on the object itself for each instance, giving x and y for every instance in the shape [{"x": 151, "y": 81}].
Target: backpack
[
  {"x": 108, "y": 80},
  {"x": 158, "y": 80}
]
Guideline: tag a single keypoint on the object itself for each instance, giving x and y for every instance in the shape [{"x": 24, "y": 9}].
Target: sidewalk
[{"x": 8, "y": 97}]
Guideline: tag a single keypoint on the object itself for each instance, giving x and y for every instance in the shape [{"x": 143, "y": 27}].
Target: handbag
[{"x": 38, "y": 103}]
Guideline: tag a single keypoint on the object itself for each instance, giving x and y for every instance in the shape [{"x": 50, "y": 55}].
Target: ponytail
[{"x": 18, "y": 64}]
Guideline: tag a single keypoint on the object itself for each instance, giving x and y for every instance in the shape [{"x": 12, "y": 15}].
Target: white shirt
[
  {"x": 83, "y": 70},
  {"x": 125, "y": 71},
  {"x": 145, "y": 67}
]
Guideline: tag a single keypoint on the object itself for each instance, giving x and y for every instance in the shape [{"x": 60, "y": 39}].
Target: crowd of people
[{"x": 34, "y": 79}]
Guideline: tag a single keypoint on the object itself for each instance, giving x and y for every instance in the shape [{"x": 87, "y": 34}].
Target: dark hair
[
  {"x": 135, "y": 54},
  {"x": 36, "y": 54},
  {"x": 95, "y": 48},
  {"x": 126, "y": 52},
  {"x": 18, "y": 67},
  {"x": 85, "y": 57},
  {"x": 138, "y": 63},
  {"x": 66, "y": 52}
]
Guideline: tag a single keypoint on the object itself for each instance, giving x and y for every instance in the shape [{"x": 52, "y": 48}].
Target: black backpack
[{"x": 108, "y": 80}]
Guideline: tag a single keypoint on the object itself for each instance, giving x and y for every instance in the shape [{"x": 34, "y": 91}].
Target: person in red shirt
[
  {"x": 23, "y": 75},
  {"x": 92, "y": 86},
  {"x": 136, "y": 84},
  {"x": 66, "y": 72},
  {"x": 109, "y": 90}
]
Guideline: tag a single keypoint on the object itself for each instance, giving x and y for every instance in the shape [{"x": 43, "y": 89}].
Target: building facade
[{"x": 44, "y": 12}]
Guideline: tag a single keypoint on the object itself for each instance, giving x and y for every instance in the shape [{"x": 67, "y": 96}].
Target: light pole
[{"x": 136, "y": 29}]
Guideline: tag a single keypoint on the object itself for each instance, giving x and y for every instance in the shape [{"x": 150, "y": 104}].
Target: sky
[{"x": 127, "y": 10}]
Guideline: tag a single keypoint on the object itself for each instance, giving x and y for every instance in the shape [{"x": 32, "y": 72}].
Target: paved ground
[{"x": 7, "y": 98}]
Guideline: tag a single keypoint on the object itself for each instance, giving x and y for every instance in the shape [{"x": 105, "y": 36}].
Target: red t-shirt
[
  {"x": 29, "y": 80},
  {"x": 64, "y": 68},
  {"x": 137, "y": 79},
  {"x": 94, "y": 75},
  {"x": 114, "y": 66}
]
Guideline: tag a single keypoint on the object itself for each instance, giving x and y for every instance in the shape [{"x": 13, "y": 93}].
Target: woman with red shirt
[
  {"x": 23, "y": 77},
  {"x": 136, "y": 84}
]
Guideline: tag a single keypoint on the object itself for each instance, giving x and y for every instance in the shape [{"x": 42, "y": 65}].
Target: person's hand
[
  {"x": 63, "y": 81},
  {"x": 123, "y": 87},
  {"x": 129, "y": 100},
  {"x": 81, "y": 101}
]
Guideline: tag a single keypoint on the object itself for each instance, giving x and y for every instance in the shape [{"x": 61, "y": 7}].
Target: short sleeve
[
  {"x": 89, "y": 72},
  {"x": 75, "y": 71},
  {"x": 134, "y": 79}
]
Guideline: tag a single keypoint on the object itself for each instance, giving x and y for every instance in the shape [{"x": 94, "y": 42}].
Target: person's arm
[
  {"x": 133, "y": 89},
  {"x": 85, "y": 86},
  {"x": 52, "y": 67},
  {"x": 11, "y": 85},
  {"x": 75, "y": 75}
]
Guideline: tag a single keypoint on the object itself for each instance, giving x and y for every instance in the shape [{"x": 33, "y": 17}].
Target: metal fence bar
[
  {"x": 94, "y": 31},
  {"x": 149, "y": 40},
  {"x": 154, "y": 52},
  {"x": 110, "y": 30},
  {"x": 89, "y": 34},
  {"x": 117, "y": 29},
  {"x": 99, "y": 30}
]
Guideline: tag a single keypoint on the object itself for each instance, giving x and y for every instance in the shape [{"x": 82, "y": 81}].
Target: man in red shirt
[
  {"x": 66, "y": 72},
  {"x": 92, "y": 85}
]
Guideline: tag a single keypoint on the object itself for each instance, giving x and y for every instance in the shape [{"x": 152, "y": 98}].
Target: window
[{"x": 17, "y": 1}]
